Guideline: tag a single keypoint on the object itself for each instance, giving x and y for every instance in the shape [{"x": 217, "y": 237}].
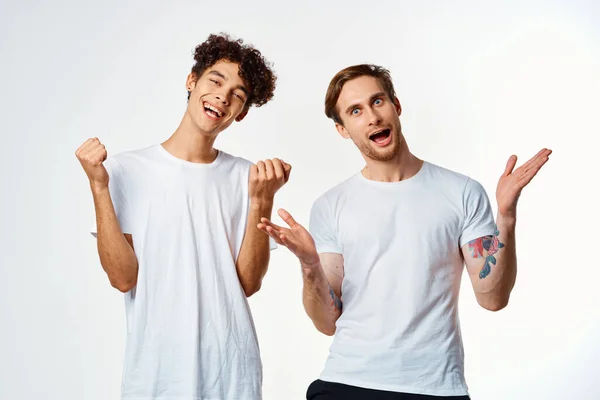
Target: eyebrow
[
  {"x": 373, "y": 97},
  {"x": 220, "y": 75}
]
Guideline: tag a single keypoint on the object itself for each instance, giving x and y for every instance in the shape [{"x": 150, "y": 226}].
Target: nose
[
  {"x": 373, "y": 116},
  {"x": 223, "y": 98}
]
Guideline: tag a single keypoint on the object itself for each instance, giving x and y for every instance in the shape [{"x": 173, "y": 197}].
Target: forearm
[
  {"x": 499, "y": 270},
  {"x": 320, "y": 301},
  {"x": 117, "y": 257},
  {"x": 253, "y": 260}
]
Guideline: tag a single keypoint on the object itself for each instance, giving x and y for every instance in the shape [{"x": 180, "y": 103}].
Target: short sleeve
[
  {"x": 117, "y": 188},
  {"x": 321, "y": 227},
  {"x": 478, "y": 215}
]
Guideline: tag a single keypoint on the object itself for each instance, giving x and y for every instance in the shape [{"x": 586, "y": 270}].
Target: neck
[
  {"x": 405, "y": 165},
  {"x": 191, "y": 144}
]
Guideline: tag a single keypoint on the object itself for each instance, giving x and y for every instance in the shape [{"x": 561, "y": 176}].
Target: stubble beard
[{"x": 385, "y": 154}]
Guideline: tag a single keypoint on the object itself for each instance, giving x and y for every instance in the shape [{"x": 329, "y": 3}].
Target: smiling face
[
  {"x": 217, "y": 98},
  {"x": 370, "y": 118}
]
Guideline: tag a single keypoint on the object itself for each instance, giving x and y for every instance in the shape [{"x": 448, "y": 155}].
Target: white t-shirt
[
  {"x": 190, "y": 333},
  {"x": 399, "y": 329}
]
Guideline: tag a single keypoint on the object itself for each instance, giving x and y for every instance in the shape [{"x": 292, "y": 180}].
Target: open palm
[
  {"x": 511, "y": 182},
  {"x": 296, "y": 237}
]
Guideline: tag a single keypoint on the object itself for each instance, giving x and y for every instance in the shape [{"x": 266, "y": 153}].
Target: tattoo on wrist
[
  {"x": 492, "y": 245},
  {"x": 336, "y": 300}
]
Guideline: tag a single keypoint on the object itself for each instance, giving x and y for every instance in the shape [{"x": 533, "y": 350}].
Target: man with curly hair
[
  {"x": 176, "y": 232},
  {"x": 383, "y": 261}
]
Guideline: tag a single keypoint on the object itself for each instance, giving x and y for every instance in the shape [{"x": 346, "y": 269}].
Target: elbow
[
  {"x": 123, "y": 285},
  {"x": 328, "y": 330},
  {"x": 494, "y": 305},
  {"x": 250, "y": 289}
]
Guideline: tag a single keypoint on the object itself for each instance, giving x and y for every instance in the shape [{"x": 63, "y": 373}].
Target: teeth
[{"x": 210, "y": 107}]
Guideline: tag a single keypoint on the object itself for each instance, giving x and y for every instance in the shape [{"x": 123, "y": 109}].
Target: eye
[
  {"x": 214, "y": 81},
  {"x": 378, "y": 102},
  {"x": 239, "y": 96},
  {"x": 355, "y": 111}
]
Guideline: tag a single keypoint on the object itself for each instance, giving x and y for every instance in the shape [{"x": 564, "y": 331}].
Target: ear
[
  {"x": 190, "y": 82},
  {"x": 342, "y": 130},
  {"x": 242, "y": 115},
  {"x": 397, "y": 106}
]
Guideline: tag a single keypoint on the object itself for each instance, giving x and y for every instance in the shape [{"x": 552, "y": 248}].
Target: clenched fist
[
  {"x": 267, "y": 177},
  {"x": 91, "y": 154}
]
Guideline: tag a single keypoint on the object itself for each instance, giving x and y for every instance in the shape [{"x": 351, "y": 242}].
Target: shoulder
[
  {"x": 452, "y": 180},
  {"x": 133, "y": 157},
  {"x": 231, "y": 162},
  {"x": 130, "y": 163},
  {"x": 348, "y": 185},
  {"x": 331, "y": 198},
  {"x": 446, "y": 175}
]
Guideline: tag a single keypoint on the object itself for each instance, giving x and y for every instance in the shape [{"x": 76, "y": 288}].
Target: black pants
[{"x": 321, "y": 390}]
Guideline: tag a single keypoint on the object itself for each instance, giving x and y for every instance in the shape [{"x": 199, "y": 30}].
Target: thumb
[
  {"x": 287, "y": 168},
  {"x": 253, "y": 170},
  {"x": 287, "y": 217},
  {"x": 510, "y": 165}
]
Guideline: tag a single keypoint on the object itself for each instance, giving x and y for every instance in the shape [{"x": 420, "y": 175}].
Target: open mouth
[
  {"x": 381, "y": 137},
  {"x": 212, "y": 111}
]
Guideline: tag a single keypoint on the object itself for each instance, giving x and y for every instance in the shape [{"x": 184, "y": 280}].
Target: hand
[
  {"x": 511, "y": 183},
  {"x": 267, "y": 177},
  {"x": 297, "y": 239},
  {"x": 91, "y": 154}
]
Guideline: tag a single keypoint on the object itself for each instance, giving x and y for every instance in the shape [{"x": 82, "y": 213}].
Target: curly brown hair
[{"x": 255, "y": 70}]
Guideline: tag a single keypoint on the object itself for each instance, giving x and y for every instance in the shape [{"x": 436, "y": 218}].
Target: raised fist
[{"x": 91, "y": 154}]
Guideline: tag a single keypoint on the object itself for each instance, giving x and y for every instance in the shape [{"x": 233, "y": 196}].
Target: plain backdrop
[{"x": 478, "y": 81}]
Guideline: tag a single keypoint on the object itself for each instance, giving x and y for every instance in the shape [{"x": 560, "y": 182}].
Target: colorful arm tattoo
[
  {"x": 489, "y": 243},
  {"x": 336, "y": 301}
]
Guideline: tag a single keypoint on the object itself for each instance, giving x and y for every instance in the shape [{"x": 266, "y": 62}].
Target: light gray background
[{"x": 478, "y": 81}]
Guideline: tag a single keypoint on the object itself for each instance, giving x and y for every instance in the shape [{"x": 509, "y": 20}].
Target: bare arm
[
  {"x": 266, "y": 178},
  {"x": 116, "y": 252},
  {"x": 322, "y": 274},
  {"x": 115, "y": 249},
  {"x": 491, "y": 262},
  {"x": 323, "y": 290},
  {"x": 255, "y": 253}
]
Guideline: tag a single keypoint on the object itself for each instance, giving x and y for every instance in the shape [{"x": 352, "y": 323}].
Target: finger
[
  {"x": 535, "y": 164},
  {"x": 524, "y": 179},
  {"x": 269, "y": 169},
  {"x": 540, "y": 154},
  {"x": 269, "y": 223},
  {"x": 287, "y": 168},
  {"x": 261, "y": 170},
  {"x": 98, "y": 156},
  {"x": 273, "y": 232},
  {"x": 253, "y": 171},
  {"x": 90, "y": 147},
  {"x": 529, "y": 174},
  {"x": 540, "y": 161},
  {"x": 285, "y": 241},
  {"x": 262, "y": 227},
  {"x": 268, "y": 230},
  {"x": 510, "y": 165},
  {"x": 83, "y": 146},
  {"x": 277, "y": 238},
  {"x": 534, "y": 168},
  {"x": 287, "y": 217},
  {"x": 278, "y": 167}
]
